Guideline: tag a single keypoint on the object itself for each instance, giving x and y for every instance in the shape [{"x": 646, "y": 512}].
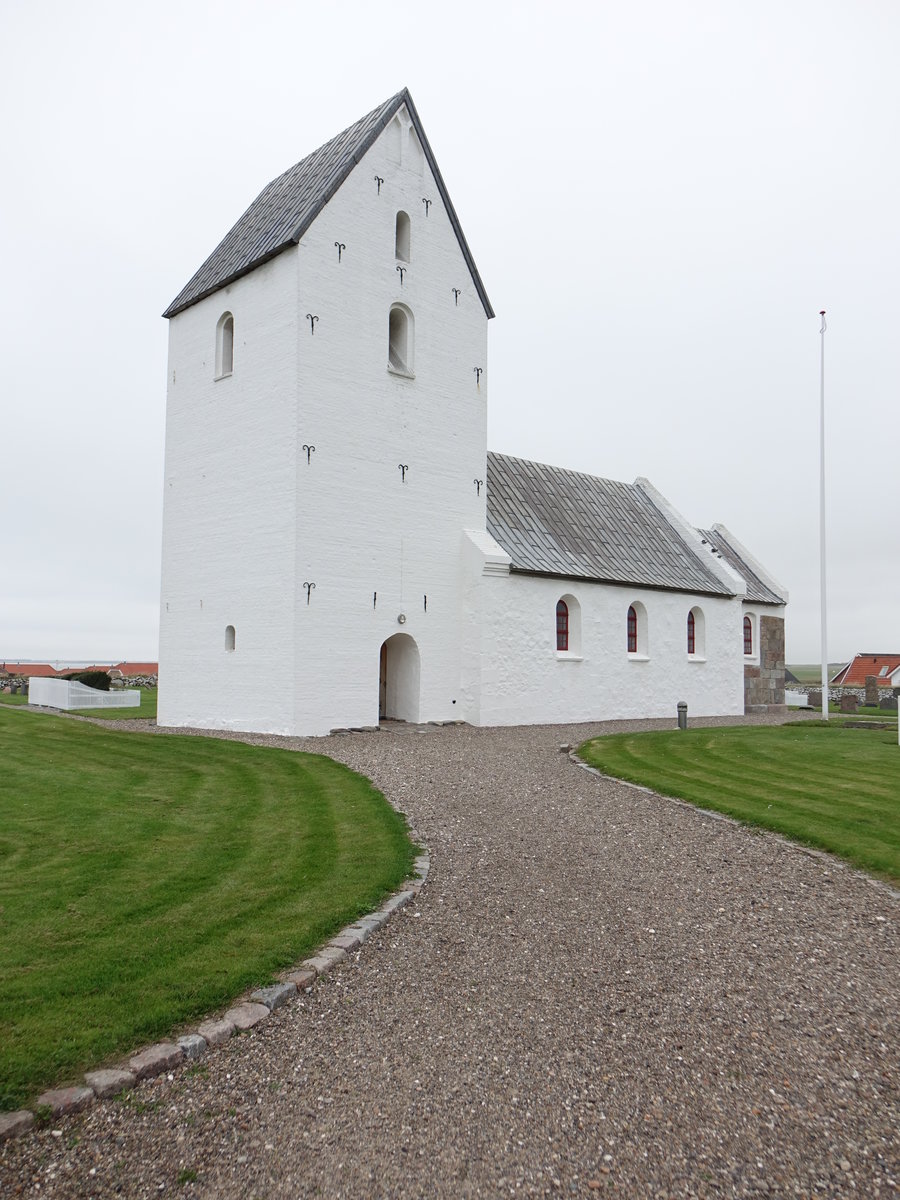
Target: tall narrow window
[
  {"x": 632, "y": 631},
  {"x": 562, "y": 625},
  {"x": 229, "y": 637},
  {"x": 696, "y": 633},
  {"x": 401, "y": 237},
  {"x": 225, "y": 345},
  {"x": 400, "y": 340},
  {"x": 748, "y": 636}
]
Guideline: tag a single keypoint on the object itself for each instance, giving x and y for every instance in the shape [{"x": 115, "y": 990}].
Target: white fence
[{"x": 66, "y": 694}]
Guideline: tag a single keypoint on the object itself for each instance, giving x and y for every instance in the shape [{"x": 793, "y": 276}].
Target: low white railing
[{"x": 67, "y": 694}]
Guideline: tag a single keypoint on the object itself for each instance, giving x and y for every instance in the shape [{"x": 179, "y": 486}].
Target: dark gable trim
[
  {"x": 448, "y": 203},
  {"x": 353, "y": 159}
]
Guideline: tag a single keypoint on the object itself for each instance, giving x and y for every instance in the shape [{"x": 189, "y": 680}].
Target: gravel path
[{"x": 597, "y": 992}]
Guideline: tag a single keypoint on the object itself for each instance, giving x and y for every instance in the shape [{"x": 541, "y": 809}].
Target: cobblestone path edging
[
  {"x": 810, "y": 851},
  {"x": 251, "y": 1010}
]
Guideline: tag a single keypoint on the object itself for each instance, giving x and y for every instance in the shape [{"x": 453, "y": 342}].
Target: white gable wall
[
  {"x": 361, "y": 530},
  {"x": 239, "y": 486}
]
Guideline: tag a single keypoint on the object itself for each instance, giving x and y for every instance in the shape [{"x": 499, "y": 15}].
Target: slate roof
[
  {"x": 285, "y": 208},
  {"x": 757, "y": 590},
  {"x": 563, "y": 523}
]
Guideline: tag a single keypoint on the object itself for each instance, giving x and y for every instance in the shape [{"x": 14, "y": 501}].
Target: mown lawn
[
  {"x": 826, "y": 786},
  {"x": 146, "y": 880},
  {"x": 147, "y": 709}
]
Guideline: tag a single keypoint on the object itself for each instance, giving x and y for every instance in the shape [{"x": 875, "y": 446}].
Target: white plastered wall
[
  {"x": 523, "y": 679},
  {"x": 251, "y": 516},
  {"x": 229, "y": 510}
]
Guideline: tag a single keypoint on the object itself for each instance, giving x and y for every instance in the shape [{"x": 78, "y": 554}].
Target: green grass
[
  {"x": 812, "y": 672},
  {"x": 147, "y": 708},
  {"x": 870, "y": 710},
  {"x": 146, "y": 880},
  {"x": 823, "y": 785}
]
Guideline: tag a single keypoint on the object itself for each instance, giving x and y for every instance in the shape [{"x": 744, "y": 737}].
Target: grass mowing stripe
[
  {"x": 147, "y": 880},
  {"x": 830, "y": 787}
]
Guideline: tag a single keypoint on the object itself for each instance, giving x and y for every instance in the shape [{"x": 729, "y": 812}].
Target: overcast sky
[{"x": 660, "y": 198}]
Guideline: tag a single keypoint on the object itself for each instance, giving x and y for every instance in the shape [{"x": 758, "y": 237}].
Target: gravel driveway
[{"x": 597, "y": 992}]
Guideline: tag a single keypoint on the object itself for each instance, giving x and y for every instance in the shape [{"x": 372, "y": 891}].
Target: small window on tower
[
  {"x": 400, "y": 340},
  {"x": 401, "y": 237},
  {"x": 229, "y": 638},
  {"x": 224, "y": 345}
]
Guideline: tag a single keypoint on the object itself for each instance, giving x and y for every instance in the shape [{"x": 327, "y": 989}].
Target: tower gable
[{"x": 286, "y": 207}]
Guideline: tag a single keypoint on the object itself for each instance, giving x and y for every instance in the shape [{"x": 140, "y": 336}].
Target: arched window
[
  {"x": 225, "y": 345},
  {"x": 696, "y": 633},
  {"x": 401, "y": 237},
  {"x": 568, "y": 626},
  {"x": 229, "y": 637},
  {"x": 637, "y": 630},
  {"x": 400, "y": 340},
  {"x": 748, "y": 635},
  {"x": 562, "y": 625}
]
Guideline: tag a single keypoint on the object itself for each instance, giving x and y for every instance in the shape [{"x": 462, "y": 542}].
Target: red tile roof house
[
  {"x": 128, "y": 670},
  {"x": 14, "y": 670},
  {"x": 882, "y": 666}
]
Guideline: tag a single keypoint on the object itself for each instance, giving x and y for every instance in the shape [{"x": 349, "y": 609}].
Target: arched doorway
[{"x": 398, "y": 679}]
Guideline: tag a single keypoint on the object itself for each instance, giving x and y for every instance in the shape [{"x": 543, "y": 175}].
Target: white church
[{"x": 339, "y": 546}]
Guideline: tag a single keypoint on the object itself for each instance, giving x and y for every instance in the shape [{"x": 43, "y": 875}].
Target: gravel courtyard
[{"x": 598, "y": 992}]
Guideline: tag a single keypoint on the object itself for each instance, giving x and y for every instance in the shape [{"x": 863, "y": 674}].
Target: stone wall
[{"x": 764, "y": 682}]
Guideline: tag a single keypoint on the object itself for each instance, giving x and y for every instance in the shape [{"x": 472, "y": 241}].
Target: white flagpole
[{"x": 822, "y": 524}]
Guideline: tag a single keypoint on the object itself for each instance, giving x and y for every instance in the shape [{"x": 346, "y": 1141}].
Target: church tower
[{"x": 326, "y": 448}]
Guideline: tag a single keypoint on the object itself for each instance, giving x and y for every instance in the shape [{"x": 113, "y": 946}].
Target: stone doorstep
[
  {"x": 216, "y": 1032},
  {"x": 276, "y": 995},
  {"x": 245, "y": 1016},
  {"x": 110, "y": 1082},
  {"x": 65, "y": 1100},
  {"x": 156, "y": 1059},
  {"x": 12, "y": 1124}
]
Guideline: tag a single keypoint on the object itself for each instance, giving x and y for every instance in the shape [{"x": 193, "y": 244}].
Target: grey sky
[{"x": 659, "y": 197}]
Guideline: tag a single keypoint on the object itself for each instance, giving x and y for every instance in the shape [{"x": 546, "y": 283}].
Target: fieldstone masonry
[{"x": 764, "y": 684}]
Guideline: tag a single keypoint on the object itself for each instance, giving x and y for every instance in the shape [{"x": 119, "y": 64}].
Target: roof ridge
[{"x": 284, "y": 209}]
